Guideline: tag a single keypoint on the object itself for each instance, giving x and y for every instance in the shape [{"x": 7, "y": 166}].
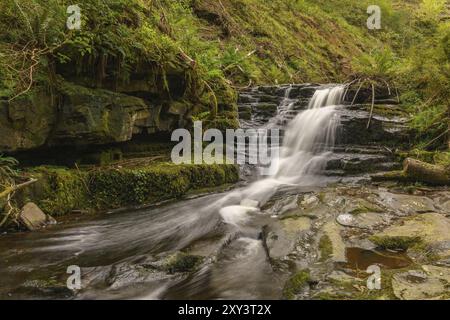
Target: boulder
[{"x": 32, "y": 217}]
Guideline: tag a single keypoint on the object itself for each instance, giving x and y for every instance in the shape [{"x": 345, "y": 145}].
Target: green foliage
[
  {"x": 7, "y": 168},
  {"x": 215, "y": 46}
]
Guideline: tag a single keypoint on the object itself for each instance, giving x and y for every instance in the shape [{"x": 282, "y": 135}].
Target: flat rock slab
[
  {"x": 432, "y": 228},
  {"x": 407, "y": 204},
  {"x": 418, "y": 284},
  {"x": 282, "y": 236},
  {"x": 366, "y": 220}
]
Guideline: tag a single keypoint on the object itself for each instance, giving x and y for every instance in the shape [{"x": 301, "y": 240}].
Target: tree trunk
[{"x": 416, "y": 170}]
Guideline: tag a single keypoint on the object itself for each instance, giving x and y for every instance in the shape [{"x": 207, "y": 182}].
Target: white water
[{"x": 307, "y": 143}]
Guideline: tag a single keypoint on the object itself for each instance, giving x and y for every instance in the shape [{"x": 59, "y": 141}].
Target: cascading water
[
  {"x": 115, "y": 251},
  {"x": 309, "y": 136},
  {"x": 308, "y": 140}
]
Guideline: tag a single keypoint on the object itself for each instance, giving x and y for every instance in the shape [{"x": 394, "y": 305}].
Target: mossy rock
[
  {"x": 295, "y": 284},
  {"x": 325, "y": 248},
  {"x": 182, "y": 262}
]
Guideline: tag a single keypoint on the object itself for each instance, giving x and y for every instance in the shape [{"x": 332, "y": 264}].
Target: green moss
[
  {"x": 295, "y": 284},
  {"x": 62, "y": 191},
  {"x": 182, "y": 262},
  {"x": 395, "y": 243},
  {"x": 325, "y": 248},
  {"x": 159, "y": 182}
]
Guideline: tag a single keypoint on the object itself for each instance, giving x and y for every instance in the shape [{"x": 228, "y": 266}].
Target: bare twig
[
  {"x": 14, "y": 188},
  {"x": 371, "y": 108},
  {"x": 437, "y": 138},
  {"x": 357, "y": 91}
]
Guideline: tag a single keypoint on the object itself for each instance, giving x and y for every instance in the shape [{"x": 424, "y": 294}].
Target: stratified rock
[{"x": 33, "y": 218}]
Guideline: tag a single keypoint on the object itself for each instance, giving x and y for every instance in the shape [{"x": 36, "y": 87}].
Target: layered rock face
[{"x": 77, "y": 115}]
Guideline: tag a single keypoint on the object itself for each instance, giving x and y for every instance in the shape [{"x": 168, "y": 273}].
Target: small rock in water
[{"x": 33, "y": 218}]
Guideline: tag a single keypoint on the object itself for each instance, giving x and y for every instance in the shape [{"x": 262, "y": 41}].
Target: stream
[{"x": 217, "y": 246}]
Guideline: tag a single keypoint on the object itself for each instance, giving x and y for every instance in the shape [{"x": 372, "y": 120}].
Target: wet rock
[
  {"x": 390, "y": 131},
  {"x": 181, "y": 262},
  {"x": 284, "y": 205},
  {"x": 281, "y": 237},
  {"x": 433, "y": 229},
  {"x": 406, "y": 204},
  {"x": 309, "y": 201},
  {"x": 47, "y": 289},
  {"x": 417, "y": 284},
  {"x": 366, "y": 220},
  {"x": 342, "y": 277},
  {"x": 97, "y": 117},
  {"x": 33, "y": 218}
]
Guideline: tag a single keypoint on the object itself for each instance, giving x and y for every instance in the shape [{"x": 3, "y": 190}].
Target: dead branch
[
  {"x": 371, "y": 108},
  {"x": 14, "y": 188}
]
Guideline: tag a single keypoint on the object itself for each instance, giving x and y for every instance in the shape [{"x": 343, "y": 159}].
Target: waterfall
[
  {"x": 308, "y": 141},
  {"x": 310, "y": 136}
]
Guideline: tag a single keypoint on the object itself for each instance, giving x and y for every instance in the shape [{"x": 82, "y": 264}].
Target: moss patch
[
  {"x": 395, "y": 243},
  {"x": 182, "y": 262},
  {"x": 63, "y": 190},
  {"x": 295, "y": 283},
  {"x": 325, "y": 247}
]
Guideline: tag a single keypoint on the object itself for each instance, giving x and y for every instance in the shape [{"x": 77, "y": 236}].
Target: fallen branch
[
  {"x": 14, "y": 188},
  {"x": 420, "y": 171},
  {"x": 437, "y": 138},
  {"x": 417, "y": 171}
]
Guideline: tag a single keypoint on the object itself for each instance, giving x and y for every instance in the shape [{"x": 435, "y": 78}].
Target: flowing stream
[{"x": 119, "y": 254}]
